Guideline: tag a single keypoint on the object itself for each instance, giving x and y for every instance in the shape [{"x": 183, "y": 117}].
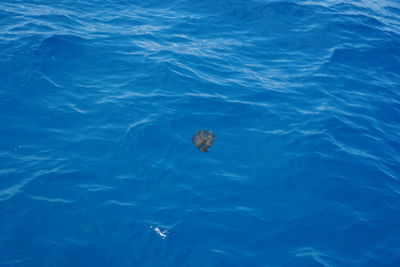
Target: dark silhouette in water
[{"x": 203, "y": 139}]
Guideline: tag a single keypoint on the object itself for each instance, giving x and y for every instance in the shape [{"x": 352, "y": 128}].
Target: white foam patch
[{"x": 162, "y": 233}]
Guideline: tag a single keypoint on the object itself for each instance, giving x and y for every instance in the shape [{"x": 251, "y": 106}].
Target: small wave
[
  {"x": 13, "y": 190},
  {"x": 316, "y": 255},
  {"x": 48, "y": 199},
  {"x": 121, "y": 203},
  {"x": 226, "y": 99},
  {"x": 9, "y": 192},
  {"x": 96, "y": 187}
]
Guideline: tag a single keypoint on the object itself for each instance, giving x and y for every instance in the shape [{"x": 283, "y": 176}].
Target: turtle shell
[{"x": 203, "y": 139}]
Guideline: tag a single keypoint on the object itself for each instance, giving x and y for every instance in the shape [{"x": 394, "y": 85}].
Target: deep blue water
[{"x": 99, "y": 101}]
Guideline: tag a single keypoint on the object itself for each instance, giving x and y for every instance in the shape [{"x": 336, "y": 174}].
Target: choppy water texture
[{"x": 99, "y": 101}]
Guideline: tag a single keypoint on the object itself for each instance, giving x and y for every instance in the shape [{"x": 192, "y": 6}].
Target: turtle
[{"x": 203, "y": 139}]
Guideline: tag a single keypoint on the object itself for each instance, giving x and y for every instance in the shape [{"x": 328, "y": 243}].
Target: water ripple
[{"x": 99, "y": 101}]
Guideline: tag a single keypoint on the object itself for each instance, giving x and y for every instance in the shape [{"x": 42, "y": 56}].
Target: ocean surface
[{"x": 99, "y": 101}]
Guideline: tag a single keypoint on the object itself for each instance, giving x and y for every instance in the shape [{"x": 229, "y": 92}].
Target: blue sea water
[{"x": 99, "y": 101}]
